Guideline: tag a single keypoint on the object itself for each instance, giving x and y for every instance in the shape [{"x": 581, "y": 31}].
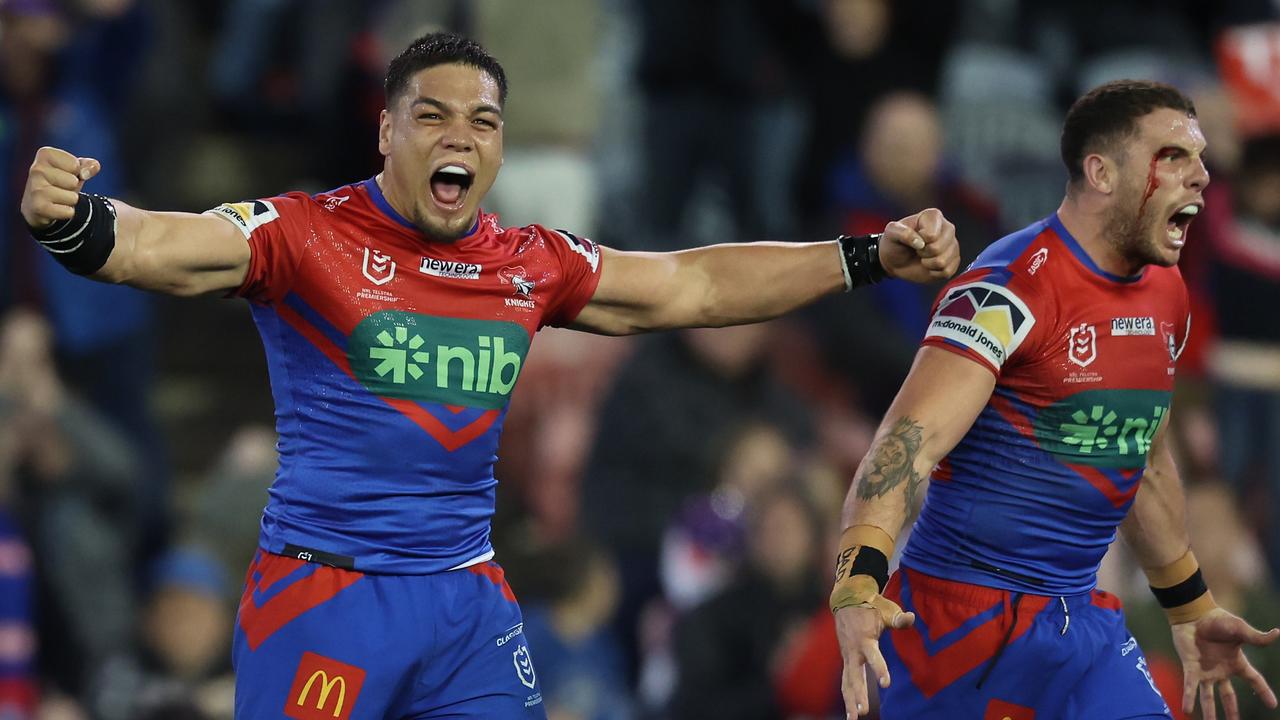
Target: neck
[
  {"x": 1086, "y": 220},
  {"x": 392, "y": 195}
]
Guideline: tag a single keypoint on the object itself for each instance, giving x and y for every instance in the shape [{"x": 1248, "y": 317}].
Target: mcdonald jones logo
[{"x": 323, "y": 689}]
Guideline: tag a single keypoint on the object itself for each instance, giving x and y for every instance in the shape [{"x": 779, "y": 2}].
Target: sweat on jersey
[
  {"x": 392, "y": 359},
  {"x": 1030, "y": 498}
]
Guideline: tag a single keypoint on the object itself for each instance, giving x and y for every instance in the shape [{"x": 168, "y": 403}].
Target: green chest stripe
[
  {"x": 1106, "y": 428},
  {"x": 470, "y": 363}
]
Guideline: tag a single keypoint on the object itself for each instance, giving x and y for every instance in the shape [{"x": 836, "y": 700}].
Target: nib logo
[
  {"x": 395, "y": 355},
  {"x": 1111, "y": 428},
  {"x": 1086, "y": 435},
  {"x": 451, "y": 361}
]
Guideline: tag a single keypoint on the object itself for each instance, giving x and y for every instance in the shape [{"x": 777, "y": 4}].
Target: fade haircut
[
  {"x": 1108, "y": 115},
  {"x": 441, "y": 48}
]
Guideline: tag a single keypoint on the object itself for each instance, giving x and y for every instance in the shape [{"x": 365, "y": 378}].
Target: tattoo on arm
[{"x": 892, "y": 463}]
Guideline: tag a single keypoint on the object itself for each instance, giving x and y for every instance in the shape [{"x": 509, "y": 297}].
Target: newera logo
[{"x": 450, "y": 269}]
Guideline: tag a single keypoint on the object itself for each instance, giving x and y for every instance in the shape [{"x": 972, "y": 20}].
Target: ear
[
  {"x": 384, "y": 133},
  {"x": 1100, "y": 173}
]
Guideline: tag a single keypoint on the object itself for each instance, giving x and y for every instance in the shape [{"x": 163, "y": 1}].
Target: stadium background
[{"x": 668, "y": 504}]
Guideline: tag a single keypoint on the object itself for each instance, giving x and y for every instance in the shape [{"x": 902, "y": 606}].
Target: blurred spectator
[
  {"x": 294, "y": 75},
  {"x": 898, "y": 168},
  {"x": 18, "y": 682},
  {"x": 75, "y": 482},
  {"x": 551, "y": 426},
  {"x": 547, "y": 172},
  {"x": 1244, "y": 364},
  {"x": 765, "y": 646},
  {"x": 655, "y": 450},
  {"x": 703, "y": 545},
  {"x": 228, "y": 504},
  {"x": 723, "y": 82},
  {"x": 579, "y": 660},
  {"x": 1234, "y": 570},
  {"x": 871, "y": 48},
  {"x": 66, "y": 81},
  {"x": 182, "y": 660}
]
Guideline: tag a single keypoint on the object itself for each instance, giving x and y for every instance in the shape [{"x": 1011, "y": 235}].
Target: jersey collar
[
  {"x": 1067, "y": 239},
  {"x": 372, "y": 187}
]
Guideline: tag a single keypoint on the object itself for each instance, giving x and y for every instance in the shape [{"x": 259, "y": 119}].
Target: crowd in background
[{"x": 668, "y": 504}]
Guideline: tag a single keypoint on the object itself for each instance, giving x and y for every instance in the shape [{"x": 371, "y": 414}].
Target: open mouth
[
  {"x": 449, "y": 186},
  {"x": 1180, "y": 221}
]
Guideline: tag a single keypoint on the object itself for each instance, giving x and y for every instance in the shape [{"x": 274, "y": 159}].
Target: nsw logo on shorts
[{"x": 524, "y": 666}]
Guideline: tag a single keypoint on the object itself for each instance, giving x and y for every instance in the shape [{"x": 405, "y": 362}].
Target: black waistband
[{"x": 344, "y": 562}]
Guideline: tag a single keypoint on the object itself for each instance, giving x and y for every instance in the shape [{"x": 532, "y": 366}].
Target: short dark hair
[
  {"x": 441, "y": 48},
  {"x": 1108, "y": 115}
]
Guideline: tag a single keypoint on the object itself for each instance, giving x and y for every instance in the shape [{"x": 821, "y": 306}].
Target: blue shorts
[
  {"x": 968, "y": 657},
  {"x": 314, "y": 642}
]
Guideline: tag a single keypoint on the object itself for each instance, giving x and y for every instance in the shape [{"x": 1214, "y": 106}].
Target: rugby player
[
  {"x": 1038, "y": 408},
  {"x": 396, "y": 316}
]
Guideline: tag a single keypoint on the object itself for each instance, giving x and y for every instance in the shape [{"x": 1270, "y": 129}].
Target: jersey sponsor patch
[
  {"x": 583, "y": 247},
  {"x": 323, "y": 689},
  {"x": 450, "y": 269},
  {"x": 247, "y": 216},
  {"x": 1133, "y": 326},
  {"x": 988, "y": 319},
  {"x": 1103, "y": 428},
  {"x": 450, "y": 361}
]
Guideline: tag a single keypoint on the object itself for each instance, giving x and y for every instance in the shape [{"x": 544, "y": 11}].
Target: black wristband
[
  {"x": 861, "y": 255},
  {"x": 866, "y": 560},
  {"x": 83, "y": 243},
  {"x": 1182, "y": 593}
]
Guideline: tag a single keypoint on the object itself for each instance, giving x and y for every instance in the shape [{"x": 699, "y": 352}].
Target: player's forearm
[
  {"x": 734, "y": 284},
  {"x": 1155, "y": 528},
  {"x": 886, "y": 486}
]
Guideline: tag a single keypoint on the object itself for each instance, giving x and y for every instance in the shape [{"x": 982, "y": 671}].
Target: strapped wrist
[
  {"x": 860, "y": 260},
  {"x": 862, "y": 566},
  {"x": 1180, "y": 589},
  {"x": 85, "y": 241}
]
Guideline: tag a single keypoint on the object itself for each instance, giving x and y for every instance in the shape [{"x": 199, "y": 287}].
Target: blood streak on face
[{"x": 1153, "y": 182}]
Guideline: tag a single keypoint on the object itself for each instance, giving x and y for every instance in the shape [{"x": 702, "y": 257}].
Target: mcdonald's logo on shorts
[{"x": 323, "y": 689}]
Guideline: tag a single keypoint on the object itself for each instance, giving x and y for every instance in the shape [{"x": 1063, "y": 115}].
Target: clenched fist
[
  {"x": 921, "y": 248},
  {"x": 53, "y": 186}
]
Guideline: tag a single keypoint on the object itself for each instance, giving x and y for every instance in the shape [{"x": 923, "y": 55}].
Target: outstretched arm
[
  {"x": 735, "y": 284},
  {"x": 937, "y": 404},
  {"x": 1209, "y": 640},
  {"x": 175, "y": 253}
]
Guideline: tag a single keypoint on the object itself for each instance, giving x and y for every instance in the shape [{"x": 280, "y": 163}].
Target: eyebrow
[{"x": 482, "y": 108}]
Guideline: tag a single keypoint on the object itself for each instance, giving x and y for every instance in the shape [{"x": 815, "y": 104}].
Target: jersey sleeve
[
  {"x": 579, "y": 260},
  {"x": 984, "y": 317},
  {"x": 277, "y": 230}
]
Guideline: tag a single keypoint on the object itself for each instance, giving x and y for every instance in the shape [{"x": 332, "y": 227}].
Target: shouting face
[
  {"x": 442, "y": 140},
  {"x": 1160, "y": 181}
]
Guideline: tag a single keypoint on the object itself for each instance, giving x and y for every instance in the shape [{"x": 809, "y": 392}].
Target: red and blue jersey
[
  {"x": 392, "y": 359},
  {"x": 1030, "y": 498}
]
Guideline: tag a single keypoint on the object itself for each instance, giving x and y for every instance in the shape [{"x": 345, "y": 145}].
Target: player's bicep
[
  {"x": 637, "y": 292},
  {"x": 177, "y": 253},
  {"x": 941, "y": 397}
]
